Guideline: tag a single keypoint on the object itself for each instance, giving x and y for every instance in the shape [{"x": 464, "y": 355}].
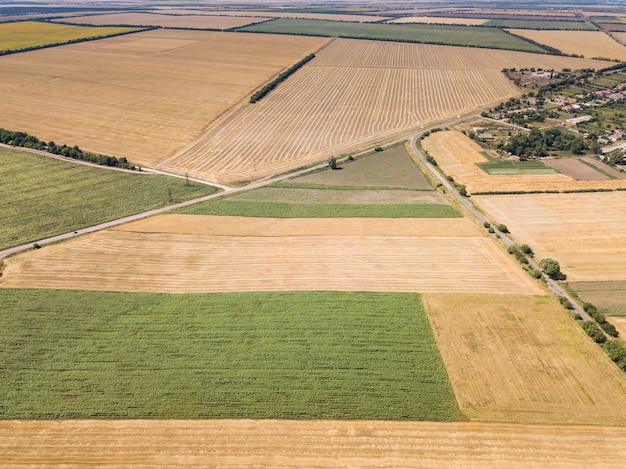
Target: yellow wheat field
[
  {"x": 353, "y": 94},
  {"x": 140, "y": 95},
  {"x": 24, "y": 34},
  {"x": 439, "y": 20},
  {"x": 165, "y": 21},
  {"x": 522, "y": 359},
  {"x": 457, "y": 156},
  {"x": 296, "y": 444},
  {"x": 585, "y": 232},
  {"x": 180, "y": 258},
  {"x": 586, "y": 43}
]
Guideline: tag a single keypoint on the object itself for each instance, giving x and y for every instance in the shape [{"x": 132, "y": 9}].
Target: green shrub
[
  {"x": 431, "y": 160},
  {"x": 609, "y": 329},
  {"x": 593, "y": 331},
  {"x": 486, "y": 224},
  {"x": 378, "y": 149},
  {"x": 565, "y": 303},
  {"x": 536, "y": 274},
  {"x": 616, "y": 350},
  {"x": 550, "y": 267},
  {"x": 503, "y": 228},
  {"x": 526, "y": 249}
]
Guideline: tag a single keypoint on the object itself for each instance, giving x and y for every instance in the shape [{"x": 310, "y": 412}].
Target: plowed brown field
[
  {"x": 457, "y": 156},
  {"x": 353, "y": 94},
  {"x": 586, "y": 43},
  {"x": 166, "y": 21},
  {"x": 522, "y": 359},
  {"x": 140, "y": 95},
  {"x": 292, "y": 254},
  {"x": 585, "y": 232},
  {"x": 291, "y": 444}
]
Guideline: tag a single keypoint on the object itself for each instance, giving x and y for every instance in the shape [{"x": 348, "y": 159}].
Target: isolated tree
[
  {"x": 550, "y": 267},
  {"x": 332, "y": 162}
]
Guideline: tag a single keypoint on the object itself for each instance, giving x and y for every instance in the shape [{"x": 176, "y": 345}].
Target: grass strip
[
  {"x": 284, "y": 210},
  {"x": 294, "y": 355}
]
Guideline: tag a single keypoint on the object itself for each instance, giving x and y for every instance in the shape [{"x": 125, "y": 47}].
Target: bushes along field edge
[{"x": 256, "y": 97}]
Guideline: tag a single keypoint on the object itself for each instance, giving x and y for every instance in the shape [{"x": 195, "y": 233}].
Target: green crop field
[
  {"x": 421, "y": 33},
  {"x": 32, "y": 34},
  {"x": 535, "y": 24},
  {"x": 41, "y": 196},
  {"x": 608, "y": 19},
  {"x": 304, "y": 355},
  {"x": 391, "y": 168},
  {"x": 609, "y": 296},
  {"x": 608, "y": 81},
  {"x": 516, "y": 167}
]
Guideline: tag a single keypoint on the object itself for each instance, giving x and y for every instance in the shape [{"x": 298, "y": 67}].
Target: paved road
[{"x": 503, "y": 236}]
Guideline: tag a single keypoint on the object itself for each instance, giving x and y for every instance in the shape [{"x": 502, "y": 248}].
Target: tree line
[
  {"x": 24, "y": 140},
  {"x": 279, "y": 79}
]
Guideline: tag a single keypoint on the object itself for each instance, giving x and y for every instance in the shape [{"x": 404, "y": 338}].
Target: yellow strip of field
[
  {"x": 457, "y": 156},
  {"x": 586, "y": 43},
  {"x": 157, "y": 260},
  {"x": 439, "y": 20},
  {"x": 295, "y": 444},
  {"x": 585, "y": 232},
  {"x": 25, "y": 34},
  {"x": 620, "y": 324},
  {"x": 139, "y": 96},
  {"x": 522, "y": 359}
]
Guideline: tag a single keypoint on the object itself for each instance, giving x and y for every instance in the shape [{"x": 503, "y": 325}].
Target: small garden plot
[
  {"x": 576, "y": 169},
  {"x": 516, "y": 167},
  {"x": 325, "y": 355},
  {"x": 392, "y": 168}
]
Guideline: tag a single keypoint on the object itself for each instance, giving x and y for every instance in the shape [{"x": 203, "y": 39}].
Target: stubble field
[
  {"x": 439, "y": 20},
  {"x": 589, "y": 44},
  {"x": 292, "y": 445},
  {"x": 457, "y": 156},
  {"x": 139, "y": 96},
  {"x": 182, "y": 260},
  {"x": 522, "y": 359},
  {"x": 354, "y": 93},
  {"x": 585, "y": 232},
  {"x": 165, "y": 21}
]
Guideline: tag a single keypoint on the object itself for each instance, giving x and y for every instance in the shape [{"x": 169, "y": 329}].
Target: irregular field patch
[
  {"x": 42, "y": 196},
  {"x": 457, "y": 155},
  {"x": 609, "y": 296},
  {"x": 522, "y": 359},
  {"x": 575, "y": 169},
  {"x": 585, "y": 232},
  {"x": 164, "y": 21},
  {"x": 307, "y": 355},
  {"x": 426, "y": 33},
  {"x": 176, "y": 261},
  {"x": 352, "y": 95},
  {"x": 139, "y": 96},
  {"x": 292, "y": 444},
  {"x": 27, "y": 34},
  {"x": 587, "y": 43},
  {"x": 392, "y": 167}
]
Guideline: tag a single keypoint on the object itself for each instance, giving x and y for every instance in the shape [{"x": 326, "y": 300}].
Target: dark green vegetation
[
  {"x": 361, "y": 188},
  {"x": 421, "y": 33},
  {"x": 22, "y": 139},
  {"x": 41, "y": 196},
  {"x": 551, "y": 268},
  {"x": 535, "y": 24},
  {"x": 279, "y": 79},
  {"x": 298, "y": 355},
  {"x": 539, "y": 143},
  {"x": 516, "y": 167}
]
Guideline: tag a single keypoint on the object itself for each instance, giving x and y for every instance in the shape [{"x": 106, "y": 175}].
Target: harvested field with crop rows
[
  {"x": 265, "y": 15},
  {"x": 177, "y": 262},
  {"x": 585, "y": 232},
  {"x": 457, "y": 156},
  {"x": 289, "y": 444},
  {"x": 589, "y": 44},
  {"x": 439, "y": 20},
  {"x": 352, "y": 94},
  {"x": 523, "y": 359},
  {"x": 127, "y": 94},
  {"x": 164, "y": 21}
]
